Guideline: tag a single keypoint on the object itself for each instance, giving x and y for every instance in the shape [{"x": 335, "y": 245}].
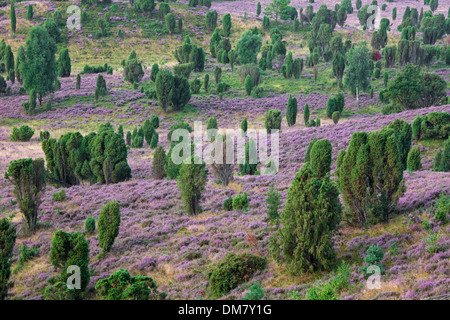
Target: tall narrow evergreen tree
[
  {"x": 159, "y": 161},
  {"x": 306, "y": 114},
  {"x": 30, "y": 12},
  {"x": 108, "y": 225},
  {"x": 320, "y": 157},
  {"x": 291, "y": 111},
  {"x": 12, "y": 16},
  {"x": 64, "y": 64}
]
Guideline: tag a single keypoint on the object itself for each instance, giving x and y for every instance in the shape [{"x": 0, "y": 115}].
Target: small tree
[
  {"x": 191, "y": 183},
  {"x": 39, "y": 71},
  {"x": 69, "y": 250},
  {"x": 100, "y": 88},
  {"x": 217, "y": 74},
  {"x": 154, "y": 72},
  {"x": 170, "y": 22},
  {"x": 244, "y": 126},
  {"x": 248, "y": 85},
  {"x": 358, "y": 71},
  {"x": 291, "y": 111},
  {"x": 159, "y": 161},
  {"x": 133, "y": 70},
  {"x": 320, "y": 158},
  {"x": 7, "y": 242},
  {"x": 413, "y": 162},
  {"x": 272, "y": 120},
  {"x": 64, "y": 64},
  {"x": 226, "y": 23},
  {"x": 273, "y": 201},
  {"x": 336, "y": 116},
  {"x": 306, "y": 115},
  {"x": 248, "y": 47},
  {"x": 108, "y": 225},
  {"x": 30, "y": 12},
  {"x": 13, "y": 17},
  {"x": 258, "y": 9},
  {"x": 310, "y": 218},
  {"x": 164, "y": 84},
  {"x": 370, "y": 176},
  {"x": 28, "y": 178}
]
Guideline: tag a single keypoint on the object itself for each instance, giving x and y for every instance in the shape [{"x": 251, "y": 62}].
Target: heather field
[{"x": 391, "y": 208}]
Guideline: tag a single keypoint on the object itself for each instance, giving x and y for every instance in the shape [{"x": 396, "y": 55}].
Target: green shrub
[
  {"x": 222, "y": 87},
  {"x": 232, "y": 271},
  {"x": 413, "y": 163},
  {"x": 68, "y": 249},
  {"x": 191, "y": 182},
  {"x": 59, "y": 196},
  {"x": 272, "y": 120},
  {"x": 183, "y": 69},
  {"x": 89, "y": 225},
  {"x": 256, "y": 291},
  {"x": 195, "y": 86},
  {"x": 121, "y": 286},
  {"x": 273, "y": 201},
  {"x": 24, "y": 133},
  {"x": 442, "y": 158},
  {"x": 25, "y": 254},
  {"x": 336, "y": 116},
  {"x": 320, "y": 158},
  {"x": 228, "y": 204},
  {"x": 442, "y": 208},
  {"x": 374, "y": 256},
  {"x": 108, "y": 225},
  {"x": 240, "y": 202},
  {"x": 321, "y": 291}
]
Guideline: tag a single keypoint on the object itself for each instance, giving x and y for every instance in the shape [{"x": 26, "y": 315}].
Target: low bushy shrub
[{"x": 232, "y": 271}]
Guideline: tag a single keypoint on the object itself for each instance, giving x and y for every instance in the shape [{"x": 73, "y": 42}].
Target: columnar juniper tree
[
  {"x": 164, "y": 84},
  {"x": 413, "y": 162},
  {"x": 370, "y": 176},
  {"x": 13, "y": 17},
  {"x": 310, "y": 218},
  {"x": 191, "y": 182},
  {"x": 159, "y": 162},
  {"x": 29, "y": 180},
  {"x": 64, "y": 64},
  {"x": 7, "y": 242},
  {"x": 291, "y": 111},
  {"x": 30, "y": 12},
  {"x": 306, "y": 114},
  {"x": 320, "y": 158},
  {"x": 226, "y": 23},
  {"x": 108, "y": 225},
  {"x": 403, "y": 135}
]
